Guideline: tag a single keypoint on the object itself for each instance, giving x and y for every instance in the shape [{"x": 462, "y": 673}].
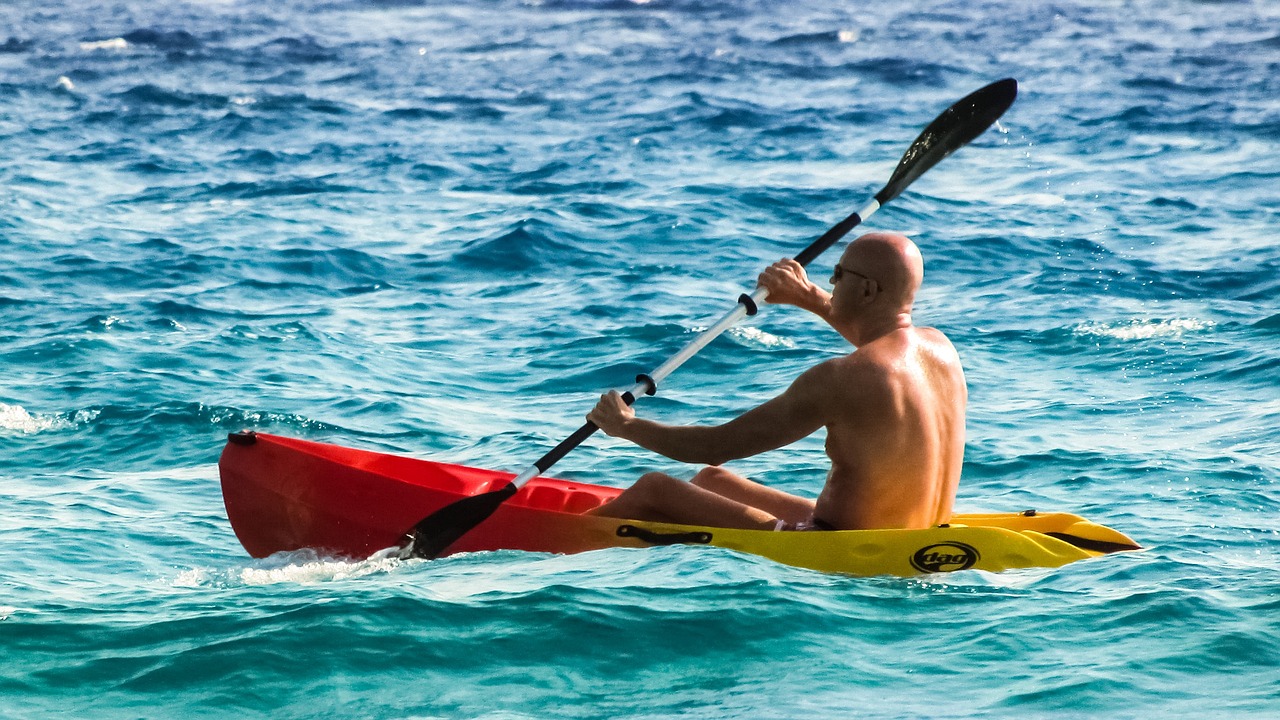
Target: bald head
[{"x": 890, "y": 259}]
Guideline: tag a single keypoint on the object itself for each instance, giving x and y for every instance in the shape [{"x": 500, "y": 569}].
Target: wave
[
  {"x": 163, "y": 39},
  {"x": 117, "y": 43},
  {"x": 301, "y": 567},
  {"x": 756, "y": 337},
  {"x": 902, "y": 71},
  {"x": 477, "y": 107},
  {"x": 140, "y": 432},
  {"x": 288, "y": 187},
  {"x": 299, "y": 186},
  {"x": 285, "y": 103},
  {"x": 305, "y": 49},
  {"x": 526, "y": 245},
  {"x": 16, "y": 419},
  {"x": 154, "y": 95},
  {"x": 15, "y": 45},
  {"x": 819, "y": 38},
  {"x": 1144, "y": 329}
]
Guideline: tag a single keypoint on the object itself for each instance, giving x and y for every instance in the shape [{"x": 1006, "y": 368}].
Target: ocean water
[{"x": 441, "y": 229}]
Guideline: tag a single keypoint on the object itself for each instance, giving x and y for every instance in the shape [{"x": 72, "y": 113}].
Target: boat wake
[{"x": 300, "y": 567}]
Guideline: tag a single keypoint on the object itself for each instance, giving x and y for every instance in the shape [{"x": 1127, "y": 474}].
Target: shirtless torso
[
  {"x": 894, "y": 411},
  {"x": 895, "y": 433}
]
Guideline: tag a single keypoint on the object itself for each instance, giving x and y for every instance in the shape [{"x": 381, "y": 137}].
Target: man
[{"x": 894, "y": 411}]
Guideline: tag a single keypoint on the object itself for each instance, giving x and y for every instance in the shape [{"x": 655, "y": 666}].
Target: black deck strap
[
  {"x": 248, "y": 437},
  {"x": 655, "y": 538},
  {"x": 651, "y": 387},
  {"x": 1102, "y": 546},
  {"x": 746, "y": 301}
]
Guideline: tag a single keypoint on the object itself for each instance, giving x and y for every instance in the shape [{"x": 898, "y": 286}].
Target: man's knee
[
  {"x": 713, "y": 478},
  {"x": 652, "y": 483}
]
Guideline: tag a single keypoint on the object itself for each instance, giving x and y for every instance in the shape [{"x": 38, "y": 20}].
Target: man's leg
[
  {"x": 661, "y": 498},
  {"x": 779, "y": 504}
]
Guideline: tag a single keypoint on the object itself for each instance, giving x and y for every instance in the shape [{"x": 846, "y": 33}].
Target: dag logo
[{"x": 944, "y": 557}]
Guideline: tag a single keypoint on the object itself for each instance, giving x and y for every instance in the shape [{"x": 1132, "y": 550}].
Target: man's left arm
[{"x": 795, "y": 414}]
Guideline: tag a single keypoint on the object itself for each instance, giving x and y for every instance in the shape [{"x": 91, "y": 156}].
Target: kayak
[{"x": 284, "y": 494}]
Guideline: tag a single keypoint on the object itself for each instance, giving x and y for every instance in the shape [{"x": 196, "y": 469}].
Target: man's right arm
[{"x": 788, "y": 284}]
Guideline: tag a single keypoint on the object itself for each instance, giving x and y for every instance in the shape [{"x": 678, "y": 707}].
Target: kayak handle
[{"x": 657, "y": 538}]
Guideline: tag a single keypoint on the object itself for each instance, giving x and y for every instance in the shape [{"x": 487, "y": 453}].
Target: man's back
[{"x": 895, "y": 432}]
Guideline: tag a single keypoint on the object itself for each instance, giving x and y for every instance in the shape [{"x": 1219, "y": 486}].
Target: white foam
[
  {"x": 756, "y": 336},
  {"x": 759, "y": 337},
  {"x": 112, "y": 44},
  {"x": 6, "y": 611},
  {"x": 318, "y": 571},
  {"x": 1029, "y": 200},
  {"x": 1143, "y": 329},
  {"x": 296, "y": 568},
  {"x": 15, "y": 418},
  {"x": 194, "y": 578}
]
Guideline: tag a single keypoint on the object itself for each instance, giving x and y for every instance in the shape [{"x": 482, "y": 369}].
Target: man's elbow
[{"x": 707, "y": 457}]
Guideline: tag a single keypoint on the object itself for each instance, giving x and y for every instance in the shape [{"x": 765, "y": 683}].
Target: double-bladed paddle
[{"x": 953, "y": 129}]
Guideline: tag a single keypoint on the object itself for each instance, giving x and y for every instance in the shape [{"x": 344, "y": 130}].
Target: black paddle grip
[
  {"x": 588, "y": 429},
  {"x": 828, "y": 239}
]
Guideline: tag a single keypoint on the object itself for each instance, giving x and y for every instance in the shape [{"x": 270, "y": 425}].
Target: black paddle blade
[
  {"x": 442, "y": 528},
  {"x": 968, "y": 118}
]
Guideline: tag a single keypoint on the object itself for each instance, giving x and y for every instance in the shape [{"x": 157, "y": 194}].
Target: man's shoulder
[
  {"x": 896, "y": 353},
  {"x": 863, "y": 372},
  {"x": 932, "y": 335},
  {"x": 938, "y": 345}
]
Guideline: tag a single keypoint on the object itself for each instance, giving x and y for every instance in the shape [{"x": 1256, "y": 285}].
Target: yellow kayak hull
[{"x": 991, "y": 542}]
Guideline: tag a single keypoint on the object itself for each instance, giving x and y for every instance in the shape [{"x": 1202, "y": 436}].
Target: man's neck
[{"x": 865, "y": 333}]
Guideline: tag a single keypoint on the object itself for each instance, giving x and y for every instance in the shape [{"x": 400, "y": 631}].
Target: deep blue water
[{"x": 441, "y": 229}]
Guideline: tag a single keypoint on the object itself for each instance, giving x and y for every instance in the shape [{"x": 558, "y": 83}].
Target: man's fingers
[{"x": 610, "y": 405}]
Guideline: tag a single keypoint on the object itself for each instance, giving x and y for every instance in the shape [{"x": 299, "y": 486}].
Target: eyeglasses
[{"x": 839, "y": 272}]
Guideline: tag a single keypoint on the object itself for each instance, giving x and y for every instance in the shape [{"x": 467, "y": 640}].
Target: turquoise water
[{"x": 441, "y": 229}]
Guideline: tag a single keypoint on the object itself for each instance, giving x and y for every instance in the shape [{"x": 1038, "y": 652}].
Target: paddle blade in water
[
  {"x": 952, "y": 130},
  {"x": 439, "y": 530}
]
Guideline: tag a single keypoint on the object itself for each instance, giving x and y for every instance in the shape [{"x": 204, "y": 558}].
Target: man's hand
[
  {"x": 788, "y": 284},
  {"x": 611, "y": 414}
]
